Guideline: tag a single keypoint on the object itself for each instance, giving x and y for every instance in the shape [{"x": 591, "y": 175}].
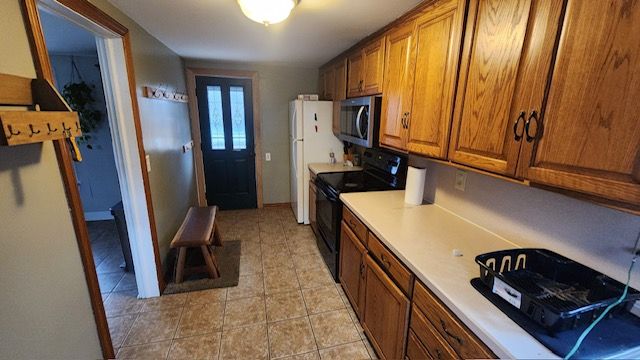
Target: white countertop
[
  {"x": 318, "y": 168},
  {"x": 423, "y": 237}
]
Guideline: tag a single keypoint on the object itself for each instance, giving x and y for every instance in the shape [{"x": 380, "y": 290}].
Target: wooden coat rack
[{"x": 47, "y": 117}]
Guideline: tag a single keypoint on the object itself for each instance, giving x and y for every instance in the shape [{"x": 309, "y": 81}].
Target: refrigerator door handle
[{"x": 358, "y": 118}]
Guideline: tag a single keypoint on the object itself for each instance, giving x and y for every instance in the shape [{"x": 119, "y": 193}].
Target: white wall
[
  {"x": 97, "y": 174},
  {"x": 597, "y": 236},
  {"x": 278, "y": 85}
]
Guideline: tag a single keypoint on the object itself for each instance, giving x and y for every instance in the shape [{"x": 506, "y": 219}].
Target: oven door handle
[
  {"x": 324, "y": 193},
  {"x": 358, "y": 119}
]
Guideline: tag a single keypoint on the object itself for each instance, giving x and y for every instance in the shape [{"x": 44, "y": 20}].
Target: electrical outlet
[
  {"x": 267, "y": 156},
  {"x": 148, "y": 161},
  {"x": 461, "y": 180}
]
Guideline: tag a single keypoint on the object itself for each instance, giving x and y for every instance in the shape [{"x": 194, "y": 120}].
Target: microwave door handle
[{"x": 358, "y": 118}]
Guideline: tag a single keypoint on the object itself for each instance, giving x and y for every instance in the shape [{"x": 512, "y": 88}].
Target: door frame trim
[
  {"x": 42, "y": 63},
  {"x": 194, "y": 114}
]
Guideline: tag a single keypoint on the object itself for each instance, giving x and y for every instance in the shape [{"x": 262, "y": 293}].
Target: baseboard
[
  {"x": 98, "y": 215},
  {"x": 286, "y": 204}
]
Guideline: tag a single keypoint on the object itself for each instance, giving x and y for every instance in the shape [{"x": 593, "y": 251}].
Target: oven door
[
  {"x": 328, "y": 215},
  {"x": 356, "y": 125}
]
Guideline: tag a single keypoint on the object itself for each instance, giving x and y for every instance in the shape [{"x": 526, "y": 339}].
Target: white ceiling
[
  {"x": 316, "y": 31},
  {"x": 64, "y": 37}
]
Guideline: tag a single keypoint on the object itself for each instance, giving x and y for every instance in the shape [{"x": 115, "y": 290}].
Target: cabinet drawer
[
  {"x": 398, "y": 272},
  {"x": 415, "y": 350},
  {"x": 355, "y": 224},
  {"x": 465, "y": 344},
  {"x": 436, "y": 346}
]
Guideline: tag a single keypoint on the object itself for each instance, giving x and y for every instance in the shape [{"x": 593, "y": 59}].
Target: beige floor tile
[
  {"x": 308, "y": 356},
  {"x": 352, "y": 351},
  {"x": 119, "y": 327},
  {"x": 206, "y": 296},
  {"x": 299, "y": 231},
  {"x": 308, "y": 261},
  {"x": 196, "y": 347},
  {"x": 274, "y": 249},
  {"x": 276, "y": 237},
  {"x": 322, "y": 299},
  {"x": 165, "y": 302},
  {"x": 108, "y": 281},
  {"x": 250, "y": 264},
  {"x": 128, "y": 282},
  {"x": 121, "y": 303},
  {"x": 248, "y": 286},
  {"x": 272, "y": 226},
  {"x": 280, "y": 280},
  {"x": 278, "y": 260},
  {"x": 285, "y": 305},
  {"x": 156, "y": 350},
  {"x": 201, "y": 319},
  {"x": 251, "y": 248},
  {"x": 370, "y": 350},
  {"x": 315, "y": 277},
  {"x": 153, "y": 326},
  {"x": 290, "y": 337},
  {"x": 333, "y": 328},
  {"x": 245, "y": 311},
  {"x": 303, "y": 248},
  {"x": 248, "y": 342}
]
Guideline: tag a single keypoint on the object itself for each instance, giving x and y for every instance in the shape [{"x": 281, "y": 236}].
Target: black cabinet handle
[
  {"x": 516, "y": 136},
  {"x": 443, "y": 325},
  {"x": 532, "y": 117},
  {"x": 406, "y": 117}
]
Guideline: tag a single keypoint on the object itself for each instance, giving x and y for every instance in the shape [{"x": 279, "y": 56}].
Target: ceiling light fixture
[{"x": 267, "y": 11}]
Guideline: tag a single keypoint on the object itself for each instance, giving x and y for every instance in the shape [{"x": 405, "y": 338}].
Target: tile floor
[
  {"x": 107, "y": 256},
  {"x": 286, "y": 305}
]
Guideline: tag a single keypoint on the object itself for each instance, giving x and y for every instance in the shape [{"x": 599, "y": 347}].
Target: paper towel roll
[{"x": 414, "y": 189}]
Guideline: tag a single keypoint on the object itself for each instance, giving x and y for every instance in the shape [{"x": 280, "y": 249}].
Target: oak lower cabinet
[
  {"x": 385, "y": 314},
  {"x": 352, "y": 267}
]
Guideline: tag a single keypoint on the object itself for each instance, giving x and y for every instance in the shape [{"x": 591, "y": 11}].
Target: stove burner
[{"x": 351, "y": 185}]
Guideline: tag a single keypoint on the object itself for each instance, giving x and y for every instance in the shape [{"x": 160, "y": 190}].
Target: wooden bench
[{"x": 198, "y": 230}]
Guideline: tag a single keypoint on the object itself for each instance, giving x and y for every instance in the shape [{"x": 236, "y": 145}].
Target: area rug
[{"x": 228, "y": 258}]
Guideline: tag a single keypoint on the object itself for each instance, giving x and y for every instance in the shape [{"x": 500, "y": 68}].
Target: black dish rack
[{"x": 554, "y": 291}]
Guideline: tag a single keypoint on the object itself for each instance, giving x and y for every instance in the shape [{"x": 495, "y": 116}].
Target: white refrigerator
[{"x": 311, "y": 139}]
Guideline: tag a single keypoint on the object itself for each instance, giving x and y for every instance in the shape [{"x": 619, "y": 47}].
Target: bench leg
[
  {"x": 182, "y": 255},
  {"x": 209, "y": 260}
]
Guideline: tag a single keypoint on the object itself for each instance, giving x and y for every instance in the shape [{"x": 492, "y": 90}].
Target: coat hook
[
  {"x": 51, "y": 131},
  {"x": 33, "y": 132},
  {"x": 66, "y": 130},
  {"x": 11, "y": 133}
]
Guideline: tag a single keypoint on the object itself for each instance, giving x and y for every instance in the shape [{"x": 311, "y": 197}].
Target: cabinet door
[
  {"x": 312, "y": 207},
  {"x": 355, "y": 71},
  {"x": 490, "y": 95},
  {"x": 352, "y": 268},
  {"x": 438, "y": 37},
  {"x": 373, "y": 72},
  {"x": 398, "y": 87},
  {"x": 589, "y": 137},
  {"x": 340, "y": 91},
  {"x": 329, "y": 82},
  {"x": 386, "y": 313}
]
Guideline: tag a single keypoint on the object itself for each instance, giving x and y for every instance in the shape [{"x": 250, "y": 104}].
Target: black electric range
[{"x": 382, "y": 170}]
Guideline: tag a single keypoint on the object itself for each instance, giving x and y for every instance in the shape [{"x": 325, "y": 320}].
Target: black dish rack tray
[{"x": 554, "y": 291}]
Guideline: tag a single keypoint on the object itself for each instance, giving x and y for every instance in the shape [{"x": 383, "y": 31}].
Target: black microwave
[{"x": 360, "y": 120}]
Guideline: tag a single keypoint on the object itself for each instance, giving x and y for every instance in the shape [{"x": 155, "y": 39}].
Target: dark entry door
[{"x": 226, "y": 127}]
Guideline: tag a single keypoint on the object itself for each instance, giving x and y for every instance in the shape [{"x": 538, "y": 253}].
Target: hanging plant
[{"x": 79, "y": 96}]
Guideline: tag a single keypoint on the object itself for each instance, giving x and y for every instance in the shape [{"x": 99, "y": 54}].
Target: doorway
[{"x": 225, "y": 108}]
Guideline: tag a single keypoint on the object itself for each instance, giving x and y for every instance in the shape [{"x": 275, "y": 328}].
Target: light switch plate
[
  {"x": 461, "y": 180},
  {"x": 267, "y": 156},
  {"x": 187, "y": 147}
]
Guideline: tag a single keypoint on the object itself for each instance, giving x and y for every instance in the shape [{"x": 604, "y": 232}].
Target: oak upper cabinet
[
  {"x": 340, "y": 92},
  {"x": 588, "y": 139},
  {"x": 352, "y": 254},
  {"x": 386, "y": 311},
  {"x": 438, "y": 37},
  {"x": 366, "y": 69},
  {"x": 326, "y": 82},
  {"x": 398, "y": 86},
  {"x": 506, "y": 53}
]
